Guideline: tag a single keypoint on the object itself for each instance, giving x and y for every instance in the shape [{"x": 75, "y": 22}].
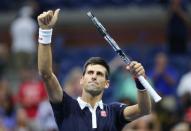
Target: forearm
[
  {"x": 142, "y": 108},
  {"x": 45, "y": 59},
  {"x": 144, "y": 102}
]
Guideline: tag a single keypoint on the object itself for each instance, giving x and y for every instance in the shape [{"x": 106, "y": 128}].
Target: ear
[
  {"x": 81, "y": 80},
  {"x": 107, "y": 84}
]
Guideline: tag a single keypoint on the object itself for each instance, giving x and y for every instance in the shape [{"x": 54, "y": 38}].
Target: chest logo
[{"x": 103, "y": 113}]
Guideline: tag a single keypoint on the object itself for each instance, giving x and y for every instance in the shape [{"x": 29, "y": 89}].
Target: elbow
[{"x": 45, "y": 74}]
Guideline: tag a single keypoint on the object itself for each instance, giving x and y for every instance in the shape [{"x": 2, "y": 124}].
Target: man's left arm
[{"x": 143, "y": 107}]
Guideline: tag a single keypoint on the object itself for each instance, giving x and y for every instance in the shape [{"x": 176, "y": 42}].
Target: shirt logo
[
  {"x": 103, "y": 114},
  {"x": 121, "y": 105}
]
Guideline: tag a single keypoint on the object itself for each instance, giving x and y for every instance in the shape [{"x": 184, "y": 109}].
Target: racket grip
[{"x": 149, "y": 88}]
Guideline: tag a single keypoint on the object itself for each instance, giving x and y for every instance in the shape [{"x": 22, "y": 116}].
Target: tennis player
[{"x": 88, "y": 112}]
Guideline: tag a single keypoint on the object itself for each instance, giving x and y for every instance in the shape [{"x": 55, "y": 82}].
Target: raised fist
[{"x": 47, "y": 20}]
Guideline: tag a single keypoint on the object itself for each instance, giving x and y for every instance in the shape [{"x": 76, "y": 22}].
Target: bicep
[{"x": 131, "y": 113}]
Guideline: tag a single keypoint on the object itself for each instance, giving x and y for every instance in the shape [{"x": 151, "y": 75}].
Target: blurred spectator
[
  {"x": 31, "y": 92},
  {"x": 7, "y": 106},
  {"x": 184, "y": 93},
  {"x": 125, "y": 90},
  {"x": 45, "y": 117},
  {"x": 184, "y": 86},
  {"x": 187, "y": 115},
  {"x": 177, "y": 30},
  {"x": 4, "y": 58},
  {"x": 182, "y": 126},
  {"x": 122, "y": 87},
  {"x": 163, "y": 75},
  {"x": 167, "y": 112},
  {"x": 23, "y": 31},
  {"x": 72, "y": 81},
  {"x": 22, "y": 120},
  {"x": 2, "y": 127}
]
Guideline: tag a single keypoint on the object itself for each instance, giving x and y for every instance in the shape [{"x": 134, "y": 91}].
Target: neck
[{"x": 92, "y": 100}]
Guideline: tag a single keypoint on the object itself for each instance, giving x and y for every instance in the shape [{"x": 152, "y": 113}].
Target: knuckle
[{"x": 41, "y": 16}]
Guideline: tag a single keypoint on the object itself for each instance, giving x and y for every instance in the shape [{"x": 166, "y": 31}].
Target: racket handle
[{"x": 149, "y": 88}]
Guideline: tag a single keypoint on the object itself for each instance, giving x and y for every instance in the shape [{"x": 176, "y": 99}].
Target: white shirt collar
[{"x": 84, "y": 104}]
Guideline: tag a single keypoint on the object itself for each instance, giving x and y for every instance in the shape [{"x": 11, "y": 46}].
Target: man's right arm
[{"x": 46, "y": 21}]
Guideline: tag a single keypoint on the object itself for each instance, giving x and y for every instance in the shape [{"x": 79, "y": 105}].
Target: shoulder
[
  {"x": 117, "y": 109},
  {"x": 117, "y": 106},
  {"x": 67, "y": 101}
]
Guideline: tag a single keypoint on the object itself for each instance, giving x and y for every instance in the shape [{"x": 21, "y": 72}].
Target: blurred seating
[
  {"x": 8, "y": 5},
  {"x": 47, "y": 4}
]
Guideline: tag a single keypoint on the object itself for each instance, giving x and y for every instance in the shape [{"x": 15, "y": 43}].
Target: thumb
[
  {"x": 56, "y": 13},
  {"x": 55, "y": 16}
]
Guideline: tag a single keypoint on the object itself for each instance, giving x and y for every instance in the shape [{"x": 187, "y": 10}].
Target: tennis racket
[{"x": 122, "y": 55}]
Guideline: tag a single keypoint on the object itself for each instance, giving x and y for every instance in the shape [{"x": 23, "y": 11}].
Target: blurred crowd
[
  {"x": 73, "y": 4},
  {"x": 24, "y": 104}
]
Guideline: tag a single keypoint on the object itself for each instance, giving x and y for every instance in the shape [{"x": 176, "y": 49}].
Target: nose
[{"x": 94, "y": 77}]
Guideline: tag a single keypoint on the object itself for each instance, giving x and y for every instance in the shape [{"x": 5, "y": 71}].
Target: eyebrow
[{"x": 100, "y": 72}]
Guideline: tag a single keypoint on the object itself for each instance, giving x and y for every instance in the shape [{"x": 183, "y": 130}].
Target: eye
[
  {"x": 90, "y": 72},
  {"x": 100, "y": 73}
]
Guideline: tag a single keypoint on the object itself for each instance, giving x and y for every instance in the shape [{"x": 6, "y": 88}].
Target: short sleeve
[
  {"x": 62, "y": 109},
  {"x": 118, "y": 109}
]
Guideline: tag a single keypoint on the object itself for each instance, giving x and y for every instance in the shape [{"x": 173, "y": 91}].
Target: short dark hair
[{"x": 97, "y": 61}]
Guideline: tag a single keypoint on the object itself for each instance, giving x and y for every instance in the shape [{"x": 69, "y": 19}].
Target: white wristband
[{"x": 45, "y": 36}]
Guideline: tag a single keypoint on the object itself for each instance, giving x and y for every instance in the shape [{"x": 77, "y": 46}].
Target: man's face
[
  {"x": 94, "y": 80},
  {"x": 161, "y": 61}
]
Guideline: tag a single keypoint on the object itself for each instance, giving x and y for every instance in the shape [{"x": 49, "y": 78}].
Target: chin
[{"x": 93, "y": 91}]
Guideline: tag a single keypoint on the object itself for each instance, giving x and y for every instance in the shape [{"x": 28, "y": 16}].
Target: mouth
[{"x": 93, "y": 83}]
